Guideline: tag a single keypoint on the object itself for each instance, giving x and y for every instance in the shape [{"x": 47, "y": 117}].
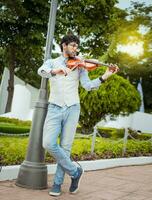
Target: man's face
[{"x": 71, "y": 49}]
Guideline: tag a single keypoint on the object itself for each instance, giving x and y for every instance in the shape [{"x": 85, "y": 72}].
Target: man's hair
[{"x": 68, "y": 39}]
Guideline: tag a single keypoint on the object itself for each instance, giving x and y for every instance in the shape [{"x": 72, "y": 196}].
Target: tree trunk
[{"x": 10, "y": 87}]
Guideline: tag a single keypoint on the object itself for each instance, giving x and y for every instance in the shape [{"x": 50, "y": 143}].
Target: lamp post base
[{"x": 32, "y": 175}]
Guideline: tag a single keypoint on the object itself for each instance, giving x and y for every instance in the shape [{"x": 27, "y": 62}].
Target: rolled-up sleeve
[
  {"x": 86, "y": 82},
  {"x": 45, "y": 69}
]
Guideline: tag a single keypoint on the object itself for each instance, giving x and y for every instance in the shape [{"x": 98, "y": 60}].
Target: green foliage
[
  {"x": 108, "y": 149},
  {"x": 14, "y": 126},
  {"x": 81, "y": 147},
  {"x": 140, "y": 18},
  {"x": 13, "y": 129},
  {"x": 115, "y": 96},
  {"x": 15, "y": 121},
  {"x": 112, "y": 133},
  {"x": 23, "y": 26},
  {"x": 12, "y": 150},
  {"x": 139, "y": 135},
  {"x": 135, "y": 148},
  {"x": 94, "y": 21},
  {"x": 147, "y": 91}
]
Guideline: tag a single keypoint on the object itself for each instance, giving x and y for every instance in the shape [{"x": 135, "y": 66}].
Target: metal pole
[
  {"x": 33, "y": 171},
  {"x": 125, "y": 142},
  {"x": 94, "y": 139}
]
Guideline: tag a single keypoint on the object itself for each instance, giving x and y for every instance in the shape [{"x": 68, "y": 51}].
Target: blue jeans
[{"x": 61, "y": 121}]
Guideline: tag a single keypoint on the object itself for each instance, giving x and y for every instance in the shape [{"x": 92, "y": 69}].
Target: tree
[
  {"x": 23, "y": 28},
  {"x": 93, "y": 21},
  {"x": 137, "y": 28},
  {"x": 23, "y": 24},
  {"x": 115, "y": 96}
]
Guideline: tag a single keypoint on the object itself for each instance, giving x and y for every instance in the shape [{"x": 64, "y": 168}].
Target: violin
[{"x": 88, "y": 64}]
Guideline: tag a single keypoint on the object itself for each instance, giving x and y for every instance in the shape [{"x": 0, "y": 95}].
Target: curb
[{"x": 11, "y": 172}]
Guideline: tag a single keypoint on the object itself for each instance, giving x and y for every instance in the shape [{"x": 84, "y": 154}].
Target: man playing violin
[{"x": 64, "y": 109}]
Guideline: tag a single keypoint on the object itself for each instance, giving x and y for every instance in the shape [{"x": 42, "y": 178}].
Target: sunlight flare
[{"x": 133, "y": 49}]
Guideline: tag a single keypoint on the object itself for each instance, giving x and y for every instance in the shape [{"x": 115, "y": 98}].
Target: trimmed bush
[
  {"x": 15, "y": 121},
  {"x": 13, "y": 129},
  {"x": 139, "y": 135},
  {"x": 114, "y": 133},
  {"x": 13, "y": 150},
  {"x": 111, "y": 132},
  {"x": 14, "y": 126}
]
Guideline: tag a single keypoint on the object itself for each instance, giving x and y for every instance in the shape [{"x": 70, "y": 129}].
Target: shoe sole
[
  {"x": 54, "y": 194},
  {"x": 78, "y": 183}
]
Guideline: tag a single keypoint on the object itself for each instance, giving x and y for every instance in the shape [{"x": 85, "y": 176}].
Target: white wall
[
  {"x": 137, "y": 121},
  {"x": 24, "y": 99}
]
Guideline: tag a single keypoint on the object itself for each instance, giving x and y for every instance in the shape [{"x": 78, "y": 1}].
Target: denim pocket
[
  {"x": 52, "y": 108},
  {"x": 75, "y": 108}
]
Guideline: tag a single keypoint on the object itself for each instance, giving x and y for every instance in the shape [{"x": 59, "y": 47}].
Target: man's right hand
[
  {"x": 61, "y": 71},
  {"x": 58, "y": 71}
]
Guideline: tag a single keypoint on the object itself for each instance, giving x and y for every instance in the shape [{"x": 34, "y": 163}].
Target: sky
[{"x": 123, "y": 4}]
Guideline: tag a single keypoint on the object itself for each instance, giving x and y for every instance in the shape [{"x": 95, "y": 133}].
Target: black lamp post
[{"x": 33, "y": 171}]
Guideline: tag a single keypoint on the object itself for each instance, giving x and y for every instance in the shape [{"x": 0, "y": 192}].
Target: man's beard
[{"x": 71, "y": 54}]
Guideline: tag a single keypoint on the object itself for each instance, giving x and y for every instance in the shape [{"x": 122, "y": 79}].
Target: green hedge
[
  {"x": 114, "y": 133},
  {"x": 14, "y": 126},
  {"x": 13, "y": 150},
  {"x": 14, "y": 121},
  {"x": 13, "y": 129},
  {"x": 111, "y": 132}
]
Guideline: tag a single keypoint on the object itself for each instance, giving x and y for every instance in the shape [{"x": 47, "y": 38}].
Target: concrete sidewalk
[{"x": 122, "y": 183}]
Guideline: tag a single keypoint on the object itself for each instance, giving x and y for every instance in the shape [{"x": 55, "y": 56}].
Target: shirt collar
[{"x": 63, "y": 59}]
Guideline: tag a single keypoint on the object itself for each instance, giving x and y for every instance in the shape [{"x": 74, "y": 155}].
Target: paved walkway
[{"x": 123, "y": 183}]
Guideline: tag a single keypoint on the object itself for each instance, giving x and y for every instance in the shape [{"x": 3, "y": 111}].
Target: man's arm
[
  {"x": 94, "y": 84},
  {"x": 85, "y": 81},
  {"x": 45, "y": 69}
]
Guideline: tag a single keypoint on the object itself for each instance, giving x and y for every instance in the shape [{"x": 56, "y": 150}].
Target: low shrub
[
  {"x": 111, "y": 132},
  {"x": 15, "y": 121},
  {"x": 139, "y": 135},
  {"x": 13, "y": 128},
  {"x": 114, "y": 133},
  {"x": 13, "y": 150}
]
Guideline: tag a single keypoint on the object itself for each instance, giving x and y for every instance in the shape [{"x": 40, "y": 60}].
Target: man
[{"x": 64, "y": 109}]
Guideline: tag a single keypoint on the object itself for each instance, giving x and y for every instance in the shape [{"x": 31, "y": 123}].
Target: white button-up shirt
[{"x": 64, "y": 89}]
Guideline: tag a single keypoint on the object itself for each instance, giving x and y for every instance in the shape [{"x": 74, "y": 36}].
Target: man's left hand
[{"x": 112, "y": 69}]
